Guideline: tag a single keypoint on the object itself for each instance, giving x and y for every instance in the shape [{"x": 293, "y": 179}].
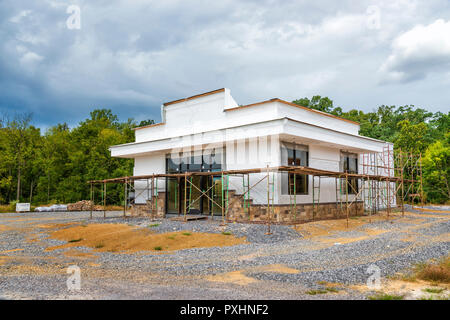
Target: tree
[
  {"x": 317, "y": 102},
  {"x": 144, "y": 123},
  {"x": 436, "y": 169},
  {"x": 411, "y": 137},
  {"x": 18, "y": 146}
]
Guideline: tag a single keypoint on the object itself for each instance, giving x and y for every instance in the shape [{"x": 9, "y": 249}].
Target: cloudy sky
[{"x": 133, "y": 55}]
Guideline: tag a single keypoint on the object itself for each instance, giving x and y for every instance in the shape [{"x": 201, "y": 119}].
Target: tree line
[
  {"x": 411, "y": 129},
  {"x": 54, "y": 166}
]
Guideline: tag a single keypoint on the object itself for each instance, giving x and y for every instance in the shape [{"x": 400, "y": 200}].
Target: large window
[
  {"x": 211, "y": 160},
  {"x": 208, "y": 160},
  {"x": 349, "y": 164},
  {"x": 294, "y": 155}
]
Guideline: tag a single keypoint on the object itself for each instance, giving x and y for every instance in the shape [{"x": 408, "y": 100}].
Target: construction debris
[{"x": 84, "y": 205}]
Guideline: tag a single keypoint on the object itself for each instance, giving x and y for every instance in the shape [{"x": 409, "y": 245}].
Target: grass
[
  {"x": 321, "y": 291},
  {"x": 436, "y": 272},
  {"x": 6, "y": 209},
  {"x": 318, "y": 291},
  {"x": 435, "y": 298},
  {"x": 76, "y": 240},
  {"x": 225, "y": 233},
  {"x": 154, "y": 225},
  {"x": 99, "y": 245},
  {"x": 433, "y": 290},
  {"x": 171, "y": 237},
  {"x": 385, "y": 296},
  {"x": 157, "y": 248},
  {"x": 187, "y": 234}
]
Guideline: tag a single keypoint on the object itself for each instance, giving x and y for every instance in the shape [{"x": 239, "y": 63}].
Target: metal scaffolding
[{"x": 388, "y": 179}]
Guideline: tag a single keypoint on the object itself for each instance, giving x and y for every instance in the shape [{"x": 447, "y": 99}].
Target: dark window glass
[
  {"x": 209, "y": 161},
  {"x": 350, "y": 165},
  {"x": 294, "y": 156},
  {"x": 195, "y": 163},
  {"x": 172, "y": 167},
  {"x": 298, "y": 183}
]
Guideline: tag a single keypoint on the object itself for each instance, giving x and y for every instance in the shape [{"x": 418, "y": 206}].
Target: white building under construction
[{"x": 211, "y": 156}]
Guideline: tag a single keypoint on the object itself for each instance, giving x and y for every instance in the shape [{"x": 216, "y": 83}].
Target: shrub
[
  {"x": 12, "y": 205},
  {"x": 385, "y": 296},
  {"x": 314, "y": 292},
  {"x": 439, "y": 272}
]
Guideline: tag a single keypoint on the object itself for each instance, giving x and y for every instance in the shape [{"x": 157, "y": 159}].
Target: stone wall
[
  {"x": 258, "y": 213},
  {"x": 282, "y": 212},
  {"x": 144, "y": 210}
]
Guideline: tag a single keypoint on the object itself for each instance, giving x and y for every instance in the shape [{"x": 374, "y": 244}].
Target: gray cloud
[
  {"x": 133, "y": 56},
  {"x": 418, "y": 52}
]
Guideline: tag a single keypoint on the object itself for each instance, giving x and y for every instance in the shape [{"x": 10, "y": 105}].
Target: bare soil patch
[
  {"x": 124, "y": 238},
  {"x": 329, "y": 227},
  {"x": 239, "y": 277}
]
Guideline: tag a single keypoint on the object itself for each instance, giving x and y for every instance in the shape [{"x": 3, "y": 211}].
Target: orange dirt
[
  {"x": 342, "y": 240},
  {"x": 12, "y": 250},
  {"x": 329, "y": 227},
  {"x": 431, "y": 210},
  {"x": 124, "y": 238},
  {"x": 239, "y": 277},
  {"x": 79, "y": 254},
  {"x": 57, "y": 225},
  {"x": 277, "y": 268},
  {"x": 4, "y": 228},
  {"x": 234, "y": 277}
]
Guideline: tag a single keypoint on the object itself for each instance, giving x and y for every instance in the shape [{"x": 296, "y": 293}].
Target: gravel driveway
[{"x": 283, "y": 265}]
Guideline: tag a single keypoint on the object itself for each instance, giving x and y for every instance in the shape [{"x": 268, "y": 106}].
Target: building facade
[{"x": 210, "y": 132}]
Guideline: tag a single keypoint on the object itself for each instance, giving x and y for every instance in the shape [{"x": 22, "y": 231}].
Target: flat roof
[
  {"x": 247, "y": 106},
  {"x": 292, "y": 105},
  {"x": 194, "y": 97}
]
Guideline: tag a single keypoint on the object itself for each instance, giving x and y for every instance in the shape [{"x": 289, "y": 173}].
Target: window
[
  {"x": 349, "y": 164},
  {"x": 294, "y": 155},
  {"x": 208, "y": 160}
]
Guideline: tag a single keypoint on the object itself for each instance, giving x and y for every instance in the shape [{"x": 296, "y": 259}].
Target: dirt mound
[{"x": 124, "y": 238}]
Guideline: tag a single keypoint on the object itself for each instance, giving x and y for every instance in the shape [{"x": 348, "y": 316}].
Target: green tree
[
  {"x": 144, "y": 123},
  {"x": 316, "y": 102},
  {"x": 436, "y": 169},
  {"x": 411, "y": 137}
]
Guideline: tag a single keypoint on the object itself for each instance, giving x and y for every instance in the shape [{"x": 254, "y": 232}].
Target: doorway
[{"x": 196, "y": 202}]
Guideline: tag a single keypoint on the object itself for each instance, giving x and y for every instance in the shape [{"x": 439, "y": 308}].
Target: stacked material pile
[
  {"x": 84, "y": 205},
  {"x": 52, "y": 208}
]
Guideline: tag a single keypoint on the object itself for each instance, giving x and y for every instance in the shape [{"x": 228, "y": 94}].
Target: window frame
[
  {"x": 345, "y": 158},
  {"x": 299, "y": 152}
]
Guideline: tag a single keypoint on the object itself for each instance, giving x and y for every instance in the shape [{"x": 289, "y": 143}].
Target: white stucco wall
[
  {"x": 146, "y": 165},
  {"x": 214, "y": 112}
]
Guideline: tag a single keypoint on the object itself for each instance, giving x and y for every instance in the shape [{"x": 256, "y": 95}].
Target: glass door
[{"x": 173, "y": 195}]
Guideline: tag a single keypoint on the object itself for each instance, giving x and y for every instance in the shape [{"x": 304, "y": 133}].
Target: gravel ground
[{"x": 27, "y": 271}]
